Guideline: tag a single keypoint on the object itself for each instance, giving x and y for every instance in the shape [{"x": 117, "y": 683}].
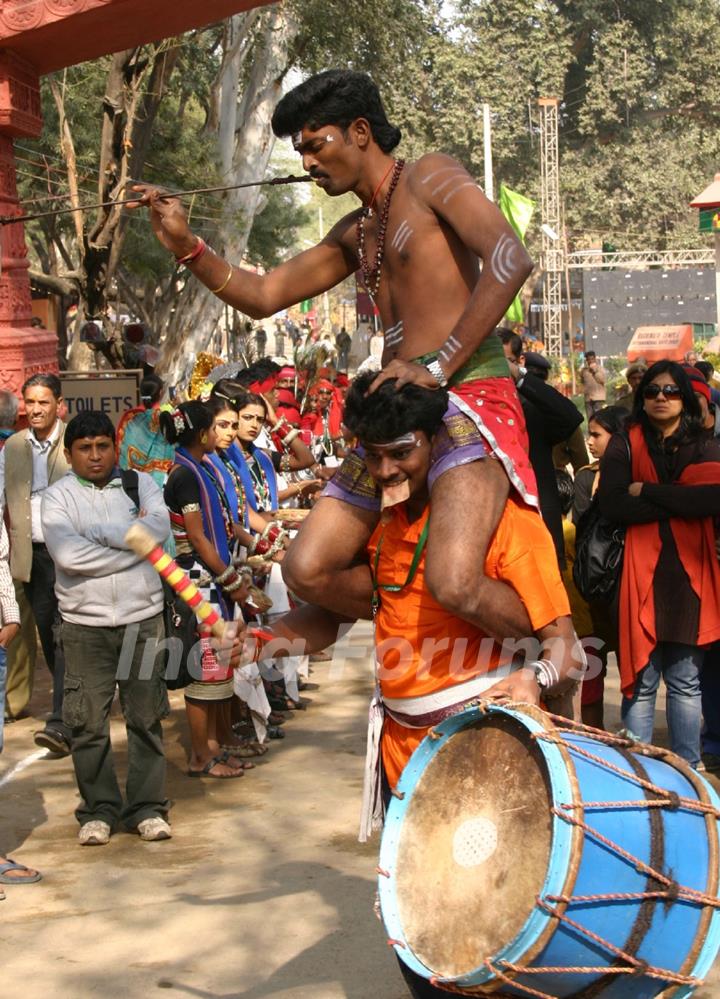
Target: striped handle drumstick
[{"x": 145, "y": 545}]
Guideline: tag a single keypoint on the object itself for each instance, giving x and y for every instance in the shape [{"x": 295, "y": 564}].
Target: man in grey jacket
[{"x": 111, "y": 606}]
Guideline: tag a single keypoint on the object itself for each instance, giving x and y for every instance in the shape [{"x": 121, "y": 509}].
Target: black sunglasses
[{"x": 653, "y": 391}]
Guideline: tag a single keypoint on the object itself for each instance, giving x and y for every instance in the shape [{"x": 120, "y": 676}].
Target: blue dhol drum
[{"x": 538, "y": 860}]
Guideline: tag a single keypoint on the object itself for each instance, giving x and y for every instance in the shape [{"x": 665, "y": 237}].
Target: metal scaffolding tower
[{"x": 552, "y": 243}]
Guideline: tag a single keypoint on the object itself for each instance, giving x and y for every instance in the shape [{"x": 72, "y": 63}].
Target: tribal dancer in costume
[
  {"x": 202, "y": 526},
  {"x": 419, "y": 237},
  {"x": 430, "y": 662},
  {"x": 140, "y": 444}
]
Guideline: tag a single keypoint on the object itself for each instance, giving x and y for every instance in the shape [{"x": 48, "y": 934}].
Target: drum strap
[{"x": 412, "y": 571}]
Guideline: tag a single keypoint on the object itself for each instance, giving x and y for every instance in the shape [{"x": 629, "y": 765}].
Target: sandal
[
  {"x": 247, "y": 749},
  {"x": 274, "y": 732},
  {"x": 241, "y": 764},
  {"x": 12, "y": 865},
  {"x": 211, "y": 764}
]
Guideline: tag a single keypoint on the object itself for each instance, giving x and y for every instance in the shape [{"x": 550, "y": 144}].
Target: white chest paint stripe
[{"x": 402, "y": 236}]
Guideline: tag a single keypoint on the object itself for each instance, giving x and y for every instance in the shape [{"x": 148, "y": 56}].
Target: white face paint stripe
[
  {"x": 406, "y": 440},
  {"x": 502, "y": 263},
  {"x": 449, "y": 180},
  {"x": 451, "y": 194}
]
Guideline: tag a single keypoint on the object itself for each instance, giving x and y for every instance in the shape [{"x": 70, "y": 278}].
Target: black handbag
[
  {"x": 183, "y": 656},
  {"x": 599, "y": 550}
]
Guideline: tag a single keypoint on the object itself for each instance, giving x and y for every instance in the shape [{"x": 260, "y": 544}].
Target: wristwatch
[{"x": 435, "y": 369}]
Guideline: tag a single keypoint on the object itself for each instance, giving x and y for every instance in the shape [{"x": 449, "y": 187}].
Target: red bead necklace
[{"x": 371, "y": 275}]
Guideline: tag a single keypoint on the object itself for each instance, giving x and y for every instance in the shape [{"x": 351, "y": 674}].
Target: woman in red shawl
[
  {"x": 323, "y": 424},
  {"x": 661, "y": 480}
]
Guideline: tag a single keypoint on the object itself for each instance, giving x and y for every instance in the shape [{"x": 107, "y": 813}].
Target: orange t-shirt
[{"x": 421, "y": 647}]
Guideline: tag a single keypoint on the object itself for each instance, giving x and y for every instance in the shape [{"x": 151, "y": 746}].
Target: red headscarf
[
  {"x": 313, "y": 422},
  {"x": 287, "y": 406},
  {"x": 695, "y": 541},
  {"x": 262, "y": 388}
]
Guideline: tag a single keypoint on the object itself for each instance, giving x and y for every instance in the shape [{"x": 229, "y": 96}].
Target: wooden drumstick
[{"x": 145, "y": 545}]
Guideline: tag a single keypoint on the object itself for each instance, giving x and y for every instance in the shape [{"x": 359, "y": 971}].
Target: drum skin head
[{"x": 474, "y": 847}]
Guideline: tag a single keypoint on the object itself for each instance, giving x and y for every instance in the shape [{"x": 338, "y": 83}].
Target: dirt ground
[{"x": 263, "y": 891}]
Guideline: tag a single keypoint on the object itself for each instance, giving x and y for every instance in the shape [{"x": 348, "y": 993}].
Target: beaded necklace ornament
[
  {"x": 261, "y": 487},
  {"x": 371, "y": 275},
  {"x": 237, "y": 481}
]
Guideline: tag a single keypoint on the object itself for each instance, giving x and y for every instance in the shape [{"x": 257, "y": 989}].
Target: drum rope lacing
[{"x": 672, "y": 892}]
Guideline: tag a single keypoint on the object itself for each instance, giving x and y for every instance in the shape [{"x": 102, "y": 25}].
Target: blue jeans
[
  {"x": 710, "y": 687},
  {"x": 3, "y": 682},
  {"x": 680, "y": 666}
]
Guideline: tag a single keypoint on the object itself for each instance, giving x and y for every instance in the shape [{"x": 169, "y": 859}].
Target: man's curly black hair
[
  {"x": 335, "y": 97},
  {"x": 389, "y": 412}
]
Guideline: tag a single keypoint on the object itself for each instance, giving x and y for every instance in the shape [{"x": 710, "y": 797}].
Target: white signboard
[{"x": 111, "y": 392}]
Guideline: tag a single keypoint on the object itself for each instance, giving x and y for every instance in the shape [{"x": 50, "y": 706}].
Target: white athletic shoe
[
  {"x": 154, "y": 829},
  {"x": 95, "y": 833}
]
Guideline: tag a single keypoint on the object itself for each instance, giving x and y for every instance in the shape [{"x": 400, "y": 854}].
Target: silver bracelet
[{"x": 225, "y": 575}]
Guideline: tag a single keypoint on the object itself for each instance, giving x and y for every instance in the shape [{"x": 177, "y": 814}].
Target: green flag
[
  {"x": 306, "y": 305},
  {"x": 518, "y": 210}
]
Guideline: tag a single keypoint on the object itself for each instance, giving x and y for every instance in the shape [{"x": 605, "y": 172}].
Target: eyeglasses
[
  {"x": 226, "y": 425},
  {"x": 652, "y": 391}
]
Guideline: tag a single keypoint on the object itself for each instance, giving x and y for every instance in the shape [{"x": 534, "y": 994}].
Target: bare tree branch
[
  {"x": 68, "y": 148},
  {"x": 65, "y": 285}
]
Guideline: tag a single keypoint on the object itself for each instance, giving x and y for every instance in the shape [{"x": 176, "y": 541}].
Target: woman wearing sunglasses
[{"x": 661, "y": 479}]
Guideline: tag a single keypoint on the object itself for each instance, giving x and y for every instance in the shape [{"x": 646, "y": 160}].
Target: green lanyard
[{"x": 396, "y": 587}]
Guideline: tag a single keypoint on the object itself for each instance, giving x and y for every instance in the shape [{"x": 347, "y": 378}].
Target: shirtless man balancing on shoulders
[{"x": 420, "y": 236}]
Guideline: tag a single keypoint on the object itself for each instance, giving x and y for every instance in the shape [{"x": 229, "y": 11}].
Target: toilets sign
[{"x": 111, "y": 392}]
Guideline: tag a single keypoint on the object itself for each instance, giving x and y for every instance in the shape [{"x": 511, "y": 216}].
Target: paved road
[{"x": 263, "y": 893}]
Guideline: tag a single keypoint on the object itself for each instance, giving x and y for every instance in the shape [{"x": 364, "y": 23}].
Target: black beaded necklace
[{"x": 371, "y": 275}]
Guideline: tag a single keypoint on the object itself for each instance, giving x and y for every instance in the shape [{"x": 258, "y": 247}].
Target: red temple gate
[{"x": 37, "y": 37}]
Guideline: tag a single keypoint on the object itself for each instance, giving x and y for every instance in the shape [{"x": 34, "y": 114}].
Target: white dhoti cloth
[
  {"x": 412, "y": 712},
  {"x": 249, "y": 687}
]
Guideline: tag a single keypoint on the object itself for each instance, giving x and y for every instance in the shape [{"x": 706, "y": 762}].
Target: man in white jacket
[{"x": 111, "y": 604}]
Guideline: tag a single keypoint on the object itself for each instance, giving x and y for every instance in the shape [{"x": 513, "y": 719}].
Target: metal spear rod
[{"x": 273, "y": 182}]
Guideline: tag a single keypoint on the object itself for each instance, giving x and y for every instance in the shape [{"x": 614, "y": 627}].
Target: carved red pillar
[{"x": 24, "y": 350}]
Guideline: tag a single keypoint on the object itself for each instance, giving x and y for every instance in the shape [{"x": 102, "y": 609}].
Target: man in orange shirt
[{"x": 428, "y": 661}]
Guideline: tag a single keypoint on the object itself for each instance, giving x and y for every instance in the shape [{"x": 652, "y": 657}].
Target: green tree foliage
[
  {"x": 639, "y": 135},
  {"x": 640, "y": 111}
]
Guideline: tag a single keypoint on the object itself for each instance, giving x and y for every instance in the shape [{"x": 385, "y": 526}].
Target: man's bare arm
[
  {"x": 257, "y": 295},
  {"x": 317, "y": 627},
  {"x": 451, "y": 193}
]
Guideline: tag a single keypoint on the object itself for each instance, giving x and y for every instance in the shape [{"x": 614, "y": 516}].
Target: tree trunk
[
  {"x": 134, "y": 89},
  {"x": 197, "y": 312}
]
